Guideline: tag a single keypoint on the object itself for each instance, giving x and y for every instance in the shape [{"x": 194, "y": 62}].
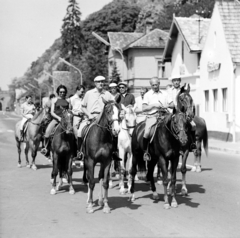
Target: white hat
[
  {"x": 175, "y": 76},
  {"x": 112, "y": 85},
  {"x": 99, "y": 78},
  {"x": 122, "y": 83}
]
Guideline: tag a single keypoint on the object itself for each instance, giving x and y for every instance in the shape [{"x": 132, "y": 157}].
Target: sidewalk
[{"x": 229, "y": 147}]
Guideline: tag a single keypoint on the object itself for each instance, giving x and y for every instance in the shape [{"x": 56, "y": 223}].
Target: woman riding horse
[{"x": 59, "y": 104}]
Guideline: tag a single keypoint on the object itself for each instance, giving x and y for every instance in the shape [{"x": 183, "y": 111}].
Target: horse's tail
[{"x": 205, "y": 140}]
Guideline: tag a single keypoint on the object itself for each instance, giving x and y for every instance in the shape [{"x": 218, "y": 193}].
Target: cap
[
  {"x": 122, "y": 83},
  {"x": 99, "y": 78},
  {"x": 112, "y": 85},
  {"x": 175, "y": 76}
]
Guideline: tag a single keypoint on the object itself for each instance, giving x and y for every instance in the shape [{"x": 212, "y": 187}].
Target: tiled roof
[
  {"x": 154, "y": 39},
  {"x": 122, "y": 39},
  {"x": 230, "y": 16},
  {"x": 189, "y": 28}
]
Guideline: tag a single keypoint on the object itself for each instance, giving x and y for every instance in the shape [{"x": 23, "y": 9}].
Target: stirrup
[
  {"x": 146, "y": 156},
  {"x": 43, "y": 151},
  {"x": 80, "y": 155}
]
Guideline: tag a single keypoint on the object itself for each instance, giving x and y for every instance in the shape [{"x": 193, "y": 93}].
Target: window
[
  {"x": 224, "y": 99},
  {"x": 215, "y": 99},
  {"x": 206, "y": 93},
  {"x": 161, "y": 69},
  {"x": 182, "y": 51}
]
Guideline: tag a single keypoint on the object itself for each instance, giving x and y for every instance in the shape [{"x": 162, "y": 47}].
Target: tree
[
  {"x": 115, "y": 75},
  {"x": 71, "y": 32}
]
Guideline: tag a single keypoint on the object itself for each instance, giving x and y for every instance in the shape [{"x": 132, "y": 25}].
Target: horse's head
[
  {"x": 67, "y": 121},
  {"x": 129, "y": 118},
  {"x": 185, "y": 102},
  {"x": 111, "y": 110},
  {"x": 179, "y": 127}
]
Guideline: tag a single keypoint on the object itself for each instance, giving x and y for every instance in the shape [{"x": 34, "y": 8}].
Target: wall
[
  {"x": 4, "y": 99},
  {"x": 216, "y": 52}
]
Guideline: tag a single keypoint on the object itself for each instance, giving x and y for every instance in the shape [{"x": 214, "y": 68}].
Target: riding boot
[
  {"x": 146, "y": 156},
  {"x": 79, "y": 148},
  {"x": 115, "y": 155},
  {"x": 45, "y": 151}
]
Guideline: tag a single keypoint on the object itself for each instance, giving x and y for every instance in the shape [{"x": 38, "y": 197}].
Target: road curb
[{"x": 232, "y": 151}]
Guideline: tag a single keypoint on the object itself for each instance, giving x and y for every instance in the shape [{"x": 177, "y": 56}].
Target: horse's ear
[
  {"x": 123, "y": 107},
  {"x": 118, "y": 98},
  {"x": 188, "y": 88},
  {"x": 104, "y": 101},
  {"x": 182, "y": 88}
]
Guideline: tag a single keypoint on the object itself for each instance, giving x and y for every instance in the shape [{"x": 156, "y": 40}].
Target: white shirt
[
  {"x": 172, "y": 93},
  {"x": 139, "y": 102},
  {"x": 76, "y": 103},
  {"x": 152, "y": 97}
]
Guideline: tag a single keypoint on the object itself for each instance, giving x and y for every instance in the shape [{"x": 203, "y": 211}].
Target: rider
[
  {"x": 27, "y": 112},
  {"x": 48, "y": 103},
  {"x": 93, "y": 105},
  {"x": 153, "y": 100},
  {"x": 139, "y": 100},
  {"x": 114, "y": 90},
  {"x": 58, "y": 105},
  {"x": 76, "y": 104},
  {"x": 173, "y": 92}
]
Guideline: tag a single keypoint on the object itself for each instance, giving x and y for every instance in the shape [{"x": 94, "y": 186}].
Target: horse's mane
[{"x": 37, "y": 114}]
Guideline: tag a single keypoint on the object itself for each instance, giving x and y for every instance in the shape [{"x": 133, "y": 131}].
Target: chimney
[{"x": 148, "y": 26}]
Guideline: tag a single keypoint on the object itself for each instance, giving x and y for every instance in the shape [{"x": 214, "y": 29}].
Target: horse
[
  {"x": 170, "y": 136},
  {"x": 185, "y": 105},
  {"x": 33, "y": 136},
  {"x": 124, "y": 145},
  {"x": 62, "y": 148},
  {"x": 97, "y": 148}
]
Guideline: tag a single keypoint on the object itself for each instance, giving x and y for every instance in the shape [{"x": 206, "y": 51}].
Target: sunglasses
[
  {"x": 122, "y": 87},
  {"x": 62, "y": 91}
]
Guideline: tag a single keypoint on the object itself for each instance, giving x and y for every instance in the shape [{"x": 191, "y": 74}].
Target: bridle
[{"x": 187, "y": 106}]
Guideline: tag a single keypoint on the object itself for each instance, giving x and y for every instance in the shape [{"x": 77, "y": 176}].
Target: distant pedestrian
[{"x": 141, "y": 116}]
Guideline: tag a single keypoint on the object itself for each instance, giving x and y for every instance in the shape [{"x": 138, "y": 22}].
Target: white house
[
  {"x": 219, "y": 90},
  {"x": 138, "y": 57},
  {"x": 183, "y": 49}
]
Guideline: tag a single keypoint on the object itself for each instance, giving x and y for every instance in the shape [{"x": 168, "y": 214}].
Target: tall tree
[
  {"x": 71, "y": 32},
  {"x": 115, "y": 74}
]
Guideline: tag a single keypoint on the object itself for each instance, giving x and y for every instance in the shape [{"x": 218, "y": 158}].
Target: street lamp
[
  {"x": 67, "y": 63},
  {"x": 119, "y": 50}
]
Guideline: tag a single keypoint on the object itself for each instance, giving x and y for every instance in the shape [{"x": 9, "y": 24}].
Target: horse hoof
[
  {"x": 122, "y": 191},
  {"x": 72, "y": 191},
  {"x": 166, "y": 206},
  {"x": 174, "y": 204},
  {"x": 194, "y": 168},
  {"x": 89, "y": 208},
  {"x": 34, "y": 167},
  {"x": 132, "y": 198},
  {"x": 28, "y": 166},
  {"x": 198, "y": 169},
  {"x": 53, "y": 191},
  {"x": 159, "y": 182},
  {"x": 19, "y": 165},
  {"x": 100, "y": 203},
  {"x": 106, "y": 210},
  {"x": 184, "y": 192},
  {"x": 64, "y": 180},
  {"x": 155, "y": 196}
]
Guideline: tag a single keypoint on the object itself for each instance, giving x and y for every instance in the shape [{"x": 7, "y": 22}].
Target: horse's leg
[
  {"x": 100, "y": 196},
  {"x": 70, "y": 172},
  {"x": 184, "y": 190},
  {"x": 174, "y": 165},
  {"x": 198, "y": 155},
  {"x": 111, "y": 175},
  {"x": 18, "y": 143},
  {"x": 132, "y": 175},
  {"x": 122, "y": 171},
  {"x": 164, "y": 169},
  {"x": 60, "y": 182},
  {"x": 54, "y": 173},
  {"x": 106, "y": 208},
  {"x": 150, "y": 178},
  {"x": 159, "y": 178},
  {"x": 91, "y": 183},
  {"x": 26, "y": 149},
  {"x": 34, "y": 146}
]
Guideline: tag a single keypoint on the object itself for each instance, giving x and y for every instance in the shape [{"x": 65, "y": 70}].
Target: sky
[{"x": 28, "y": 28}]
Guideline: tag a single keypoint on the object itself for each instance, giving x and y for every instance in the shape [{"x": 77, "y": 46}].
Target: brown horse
[
  {"x": 98, "y": 148},
  {"x": 170, "y": 136},
  {"x": 62, "y": 147},
  {"x": 33, "y": 136}
]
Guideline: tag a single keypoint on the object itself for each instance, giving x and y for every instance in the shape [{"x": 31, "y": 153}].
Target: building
[
  {"x": 138, "y": 57},
  {"x": 183, "y": 49},
  {"x": 4, "y": 100},
  {"x": 219, "y": 90}
]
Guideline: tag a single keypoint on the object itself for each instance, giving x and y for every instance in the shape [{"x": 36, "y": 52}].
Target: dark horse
[
  {"x": 63, "y": 147},
  {"x": 98, "y": 148},
  {"x": 185, "y": 105},
  {"x": 34, "y": 133},
  {"x": 170, "y": 136}
]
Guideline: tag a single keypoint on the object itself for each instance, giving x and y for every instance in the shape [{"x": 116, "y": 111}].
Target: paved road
[{"x": 27, "y": 209}]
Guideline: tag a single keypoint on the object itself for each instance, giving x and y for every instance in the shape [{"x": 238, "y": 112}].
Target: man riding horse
[
  {"x": 154, "y": 100},
  {"x": 27, "y": 112},
  {"x": 58, "y": 105},
  {"x": 173, "y": 93},
  {"x": 92, "y": 106}
]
